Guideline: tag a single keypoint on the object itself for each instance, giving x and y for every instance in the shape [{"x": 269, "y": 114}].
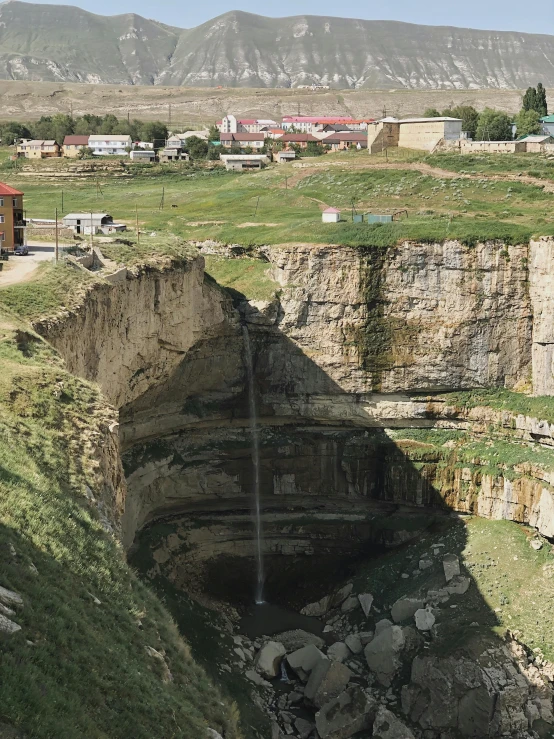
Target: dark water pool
[{"x": 267, "y": 619}]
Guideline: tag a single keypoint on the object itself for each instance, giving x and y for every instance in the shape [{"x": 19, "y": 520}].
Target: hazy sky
[{"x": 501, "y": 15}]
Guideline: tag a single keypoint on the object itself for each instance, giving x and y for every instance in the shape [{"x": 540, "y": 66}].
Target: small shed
[
  {"x": 330, "y": 215},
  {"x": 241, "y": 162},
  {"x": 282, "y": 157},
  {"x": 84, "y": 223},
  {"x": 137, "y": 155}
]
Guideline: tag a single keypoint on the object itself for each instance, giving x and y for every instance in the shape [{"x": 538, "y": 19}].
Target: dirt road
[{"x": 22, "y": 268}]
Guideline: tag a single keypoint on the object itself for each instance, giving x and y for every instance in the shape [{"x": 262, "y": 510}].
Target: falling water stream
[{"x": 258, "y": 533}]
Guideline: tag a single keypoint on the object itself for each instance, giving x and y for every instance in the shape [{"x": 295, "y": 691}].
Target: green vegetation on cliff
[{"x": 97, "y": 654}]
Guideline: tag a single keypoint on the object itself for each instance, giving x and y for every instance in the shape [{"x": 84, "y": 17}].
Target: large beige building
[{"x": 412, "y": 133}]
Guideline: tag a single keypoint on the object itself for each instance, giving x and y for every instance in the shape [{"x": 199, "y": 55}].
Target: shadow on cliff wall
[{"x": 322, "y": 453}]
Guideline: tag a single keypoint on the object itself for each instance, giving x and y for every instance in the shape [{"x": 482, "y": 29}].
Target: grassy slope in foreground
[{"x": 78, "y": 668}]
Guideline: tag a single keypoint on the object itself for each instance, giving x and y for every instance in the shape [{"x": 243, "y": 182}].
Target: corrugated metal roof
[{"x": 86, "y": 216}]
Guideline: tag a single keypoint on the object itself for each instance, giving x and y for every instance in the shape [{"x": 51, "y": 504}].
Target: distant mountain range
[{"x": 65, "y": 43}]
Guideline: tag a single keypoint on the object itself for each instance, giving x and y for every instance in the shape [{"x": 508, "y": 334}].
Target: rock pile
[{"x": 381, "y": 674}]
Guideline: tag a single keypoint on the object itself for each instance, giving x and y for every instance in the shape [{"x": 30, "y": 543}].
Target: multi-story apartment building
[{"x": 12, "y": 223}]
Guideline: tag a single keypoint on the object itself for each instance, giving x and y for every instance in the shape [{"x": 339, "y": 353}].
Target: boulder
[
  {"x": 366, "y": 637},
  {"x": 317, "y": 609},
  {"x": 327, "y": 680},
  {"x": 424, "y": 619},
  {"x": 213, "y": 734},
  {"x": 10, "y": 598},
  {"x": 425, "y": 563},
  {"x": 303, "y": 660},
  {"x": 366, "y": 601},
  {"x": 388, "y": 726},
  {"x": 257, "y": 679},
  {"x": 451, "y": 566},
  {"x": 296, "y": 639},
  {"x": 383, "y": 651},
  {"x": 303, "y": 728},
  {"x": 7, "y": 626},
  {"x": 349, "y": 604},
  {"x": 458, "y": 585},
  {"x": 404, "y": 608},
  {"x": 268, "y": 659},
  {"x": 352, "y": 711},
  {"x": 338, "y": 651},
  {"x": 322, "y": 606},
  {"x": 354, "y": 643},
  {"x": 536, "y": 544}
]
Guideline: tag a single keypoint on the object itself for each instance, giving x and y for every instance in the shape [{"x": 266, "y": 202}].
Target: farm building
[
  {"x": 330, "y": 215},
  {"x": 241, "y": 162},
  {"x": 537, "y": 144},
  {"x": 138, "y": 155},
  {"x": 83, "y": 223},
  {"x": 413, "y": 133},
  {"x": 282, "y": 157},
  {"x": 493, "y": 147}
]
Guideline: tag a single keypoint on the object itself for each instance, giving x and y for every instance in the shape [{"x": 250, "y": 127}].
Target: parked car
[{"x": 21, "y": 251}]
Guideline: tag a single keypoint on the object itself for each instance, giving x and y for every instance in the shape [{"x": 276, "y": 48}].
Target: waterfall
[{"x": 258, "y": 533}]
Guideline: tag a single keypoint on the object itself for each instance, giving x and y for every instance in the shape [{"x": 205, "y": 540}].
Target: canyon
[{"x": 360, "y": 364}]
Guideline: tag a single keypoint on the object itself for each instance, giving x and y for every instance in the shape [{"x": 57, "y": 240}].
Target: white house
[
  {"x": 104, "y": 144},
  {"x": 84, "y": 223},
  {"x": 331, "y": 215}
]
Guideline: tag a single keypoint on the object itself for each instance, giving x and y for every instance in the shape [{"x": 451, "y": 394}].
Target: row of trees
[
  {"x": 495, "y": 125},
  {"x": 60, "y": 125}
]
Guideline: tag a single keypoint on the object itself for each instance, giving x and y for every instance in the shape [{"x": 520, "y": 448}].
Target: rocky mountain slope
[{"x": 64, "y": 43}]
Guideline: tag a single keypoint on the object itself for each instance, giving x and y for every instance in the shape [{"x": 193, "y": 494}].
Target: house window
[
  {"x": 1, "y": 202},
  {"x": 2, "y": 219},
  {"x": 14, "y": 202},
  {"x": 2, "y": 236}
]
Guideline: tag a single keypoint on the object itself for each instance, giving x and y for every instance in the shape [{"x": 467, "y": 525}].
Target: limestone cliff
[{"x": 347, "y": 350}]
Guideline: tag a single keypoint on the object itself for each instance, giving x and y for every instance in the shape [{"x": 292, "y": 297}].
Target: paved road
[{"x": 22, "y": 268}]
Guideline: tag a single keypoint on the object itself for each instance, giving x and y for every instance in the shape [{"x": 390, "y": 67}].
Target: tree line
[
  {"x": 495, "y": 125},
  {"x": 59, "y": 126}
]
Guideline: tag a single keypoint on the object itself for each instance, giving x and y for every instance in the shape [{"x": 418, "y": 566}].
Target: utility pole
[
  {"x": 169, "y": 115},
  {"x": 56, "y": 250},
  {"x": 136, "y": 219},
  {"x": 257, "y": 203},
  {"x": 163, "y": 199},
  {"x": 91, "y": 231},
  {"x": 62, "y": 201}
]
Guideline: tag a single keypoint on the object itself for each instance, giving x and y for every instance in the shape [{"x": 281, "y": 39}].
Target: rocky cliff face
[{"x": 343, "y": 353}]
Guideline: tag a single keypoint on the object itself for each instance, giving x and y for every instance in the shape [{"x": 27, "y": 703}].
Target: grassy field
[
  {"x": 283, "y": 205},
  {"x": 81, "y": 666},
  {"x": 507, "y": 577},
  {"x": 526, "y": 164}
]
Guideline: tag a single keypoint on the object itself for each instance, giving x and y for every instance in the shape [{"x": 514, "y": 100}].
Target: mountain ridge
[{"x": 241, "y": 49}]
